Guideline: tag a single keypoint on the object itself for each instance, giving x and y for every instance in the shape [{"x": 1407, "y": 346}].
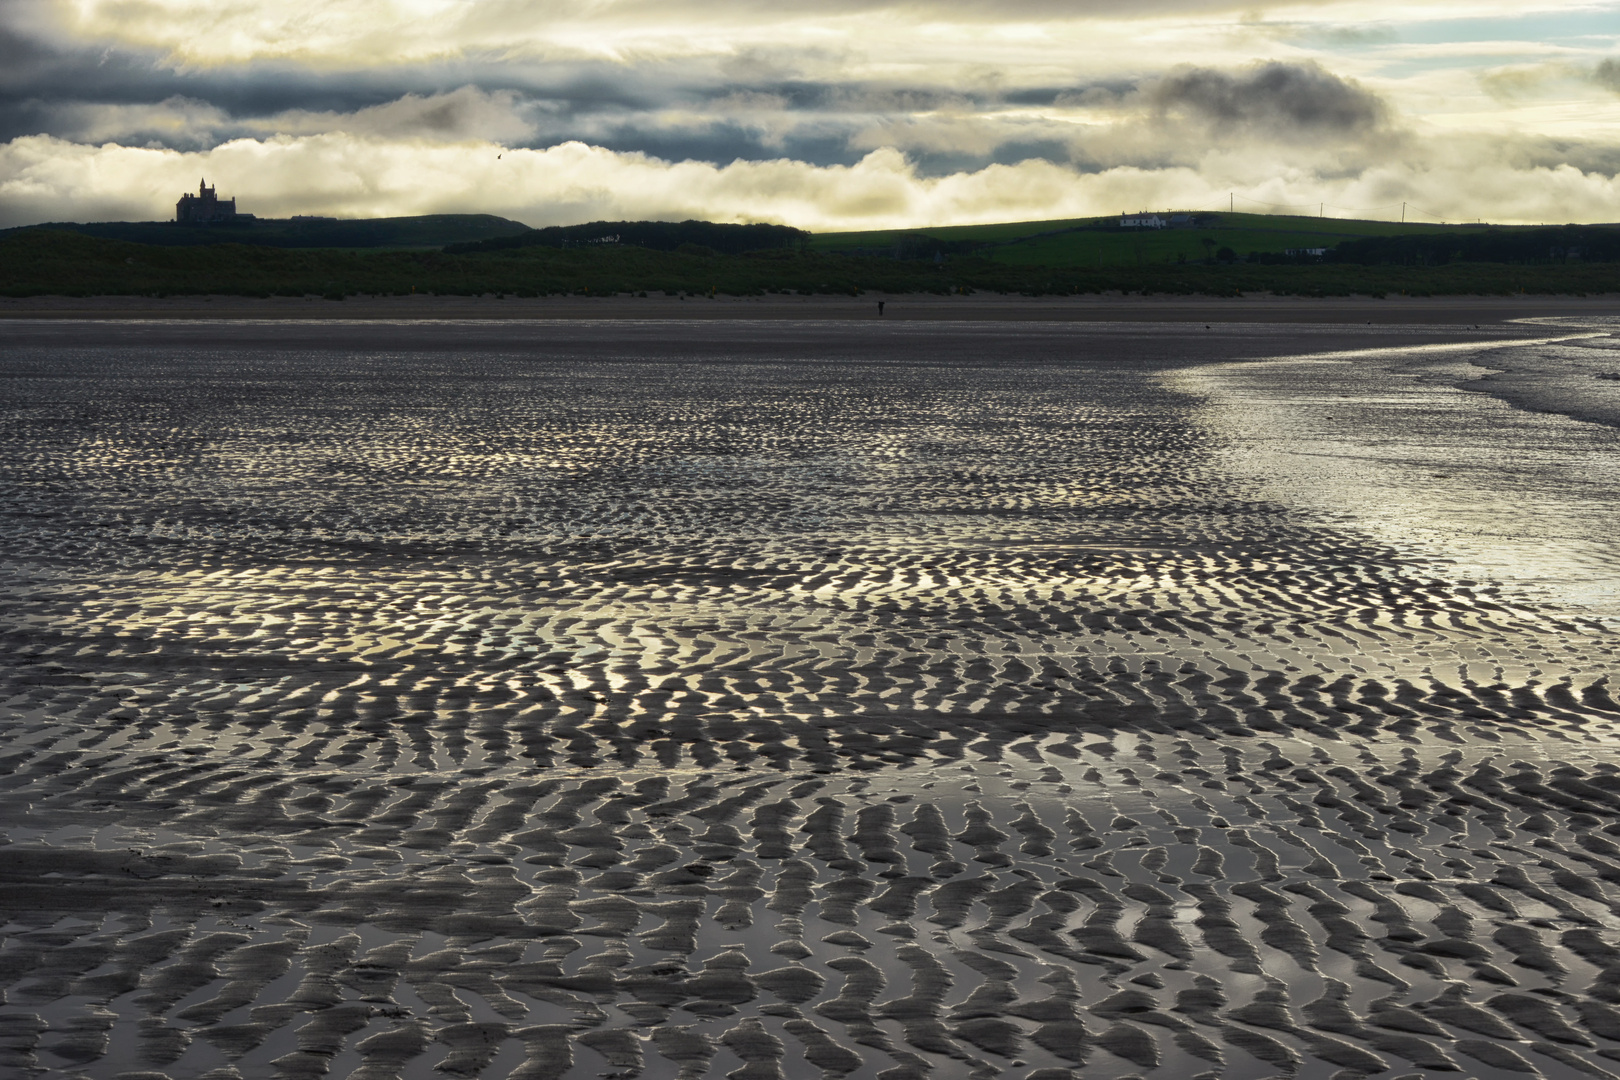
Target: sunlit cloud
[
  {"x": 878, "y": 111},
  {"x": 354, "y": 176}
]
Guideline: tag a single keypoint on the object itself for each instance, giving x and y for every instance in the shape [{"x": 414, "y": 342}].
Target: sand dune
[{"x": 890, "y": 711}]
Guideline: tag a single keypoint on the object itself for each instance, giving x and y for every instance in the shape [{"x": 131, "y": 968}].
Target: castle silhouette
[{"x": 206, "y": 208}]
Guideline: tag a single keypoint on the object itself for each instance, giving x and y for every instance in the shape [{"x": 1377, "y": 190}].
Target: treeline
[
  {"x": 694, "y": 237},
  {"x": 42, "y": 262}
]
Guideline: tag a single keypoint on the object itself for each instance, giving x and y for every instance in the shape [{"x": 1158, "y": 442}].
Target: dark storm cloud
[
  {"x": 46, "y": 88},
  {"x": 35, "y": 69},
  {"x": 672, "y": 109},
  {"x": 79, "y": 92},
  {"x": 1277, "y": 99},
  {"x": 43, "y": 86},
  {"x": 1607, "y": 75},
  {"x": 1541, "y": 152},
  {"x": 748, "y": 107},
  {"x": 722, "y": 142},
  {"x": 1103, "y": 92}
]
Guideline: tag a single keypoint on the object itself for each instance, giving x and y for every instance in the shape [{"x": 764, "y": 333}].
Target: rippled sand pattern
[{"x": 807, "y": 702}]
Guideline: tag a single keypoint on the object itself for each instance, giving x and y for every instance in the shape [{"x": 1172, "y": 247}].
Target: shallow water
[
  {"x": 808, "y": 700},
  {"x": 1502, "y": 462}
]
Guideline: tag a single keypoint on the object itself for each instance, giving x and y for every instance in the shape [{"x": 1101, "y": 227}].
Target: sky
[{"x": 824, "y": 114}]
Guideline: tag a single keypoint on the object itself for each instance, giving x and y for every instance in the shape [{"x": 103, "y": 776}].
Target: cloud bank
[
  {"x": 371, "y": 176},
  {"x": 847, "y": 113}
]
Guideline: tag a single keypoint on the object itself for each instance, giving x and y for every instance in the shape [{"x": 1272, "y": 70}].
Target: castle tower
[{"x": 204, "y": 208}]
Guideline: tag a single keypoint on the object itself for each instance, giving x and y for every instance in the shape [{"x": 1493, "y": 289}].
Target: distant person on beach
[{"x": 880, "y": 309}]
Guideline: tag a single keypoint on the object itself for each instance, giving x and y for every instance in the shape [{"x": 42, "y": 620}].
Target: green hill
[
  {"x": 715, "y": 238},
  {"x": 1102, "y": 243},
  {"x": 425, "y": 231}
]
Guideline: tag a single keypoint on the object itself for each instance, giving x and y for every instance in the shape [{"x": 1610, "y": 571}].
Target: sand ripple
[{"x": 551, "y": 712}]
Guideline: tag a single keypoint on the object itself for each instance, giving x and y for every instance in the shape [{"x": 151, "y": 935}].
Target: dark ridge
[
  {"x": 46, "y": 262},
  {"x": 656, "y": 235},
  {"x": 426, "y": 231},
  {"x": 1558, "y": 244}
]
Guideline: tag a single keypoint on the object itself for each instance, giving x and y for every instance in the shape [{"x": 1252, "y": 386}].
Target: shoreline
[{"x": 902, "y": 308}]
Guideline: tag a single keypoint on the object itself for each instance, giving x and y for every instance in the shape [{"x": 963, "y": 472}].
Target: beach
[
  {"x": 978, "y": 307},
  {"x": 1048, "y": 688}
]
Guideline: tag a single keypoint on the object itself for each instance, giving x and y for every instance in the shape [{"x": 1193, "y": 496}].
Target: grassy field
[
  {"x": 1101, "y": 243},
  {"x": 978, "y": 234}
]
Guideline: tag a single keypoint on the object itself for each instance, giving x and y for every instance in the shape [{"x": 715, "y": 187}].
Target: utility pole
[
  {"x": 1231, "y": 201},
  {"x": 1403, "y": 213},
  {"x": 1321, "y": 209}
]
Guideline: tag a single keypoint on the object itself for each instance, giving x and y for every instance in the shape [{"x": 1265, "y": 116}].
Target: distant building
[
  {"x": 206, "y": 208},
  {"x": 1141, "y": 221},
  {"x": 1298, "y": 252}
]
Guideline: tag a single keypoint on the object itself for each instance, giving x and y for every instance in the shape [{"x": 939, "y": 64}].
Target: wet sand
[
  {"x": 979, "y": 307},
  {"x": 807, "y": 700}
]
